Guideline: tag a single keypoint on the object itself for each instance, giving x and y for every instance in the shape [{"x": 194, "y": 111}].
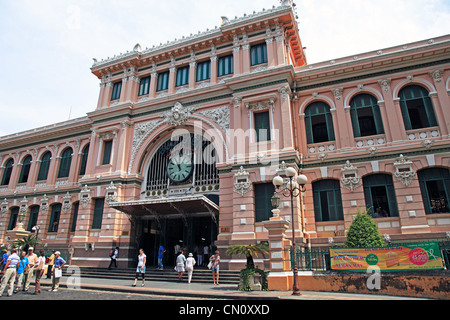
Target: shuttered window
[
  {"x": 98, "y": 213},
  {"x": 380, "y": 196},
  {"x": 107, "y": 148},
  {"x": 7, "y": 172},
  {"x": 258, "y": 54},
  {"x": 75, "y": 216},
  {"x": 25, "y": 171},
  {"x": 84, "y": 157},
  {"x": 144, "y": 86},
  {"x": 417, "y": 108},
  {"x": 203, "y": 71},
  {"x": 44, "y": 166},
  {"x": 262, "y": 126},
  {"x": 117, "y": 88},
  {"x": 54, "y": 218},
  {"x": 327, "y": 200},
  {"x": 263, "y": 204},
  {"x": 225, "y": 65},
  {"x": 182, "y": 76},
  {"x": 435, "y": 189},
  {"x": 34, "y": 214},
  {"x": 366, "y": 116},
  {"x": 13, "y": 218},
  {"x": 65, "y": 162},
  {"x": 319, "y": 123},
  {"x": 163, "y": 81}
]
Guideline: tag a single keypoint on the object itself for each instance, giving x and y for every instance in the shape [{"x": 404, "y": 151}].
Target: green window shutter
[
  {"x": 144, "y": 86},
  {"x": 98, "y": 213},
  {"x": 163, "y": 81},
  {"x": 75, "y": 216},
  {"x": 117, "y": 88},
  {"x": 327, "y": 200},
  {"x": 182, "y": 76},
  {"x": 13, "y": 218},
  {"x": 44, "y": 166},
  {"x": 366, "y": 116},
  {"x": 435, "y": 188},
  {"x": 66, "y": 161},
  {"x": 225, "y": 65},
  {"x": 25, "y": 171},
  {"x": 417, "y": 108},
  {"x": 203, "y": 71},
  {"x": 262, "y": 126},
  {"x": 54, "y": 218},
  {"x": 319, "y": 123},
  {"x": 34, "y": 214},
  {"x": 263, "y": 205},
  {"x": 107, "y": 148},
  {"x": 379, "y": 192},
  {"x": 84, "y": 157},
  {"x": 258, "y": 54},
  {"x": 7, "y": 172}
]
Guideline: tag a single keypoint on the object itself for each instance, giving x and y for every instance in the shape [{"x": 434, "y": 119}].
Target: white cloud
[{"x": 48, "y": 46}]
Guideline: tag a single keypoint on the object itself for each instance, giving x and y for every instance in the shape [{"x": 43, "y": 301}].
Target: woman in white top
[
  {"x": 39, "y": 267},
  {"x": 190, "y": 263},
  {"x": 142, "y": 260}
]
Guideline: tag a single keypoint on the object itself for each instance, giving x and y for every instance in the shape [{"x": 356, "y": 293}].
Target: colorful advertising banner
[{"x": 414, "y": 256}]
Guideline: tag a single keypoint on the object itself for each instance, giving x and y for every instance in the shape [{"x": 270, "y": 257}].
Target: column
[
  {"x": 192, "y": 74},
  {"x": 280, "y": 49},
  {"x": 153, "y": 82},
  {"x": 343, "y": 132},
  {"x": 441, "y": 99},
  {"x": 245, "y": 58},
  {"x": 214, "y": 68},
  {"x": 172, "y": 79},
  {"x": 392, "y": 108},
  {"x": 271, "y": 56}
]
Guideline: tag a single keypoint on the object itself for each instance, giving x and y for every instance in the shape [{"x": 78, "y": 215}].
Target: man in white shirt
[
  {"x": 181, "y": 260},
  {"x": 10, "y": 272}
]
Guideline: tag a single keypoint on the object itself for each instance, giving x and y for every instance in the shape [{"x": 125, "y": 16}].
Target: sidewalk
[{"x": 209, "y": 291}]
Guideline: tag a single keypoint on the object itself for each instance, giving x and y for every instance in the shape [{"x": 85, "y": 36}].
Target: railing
[{"x": 318, "y": 258}]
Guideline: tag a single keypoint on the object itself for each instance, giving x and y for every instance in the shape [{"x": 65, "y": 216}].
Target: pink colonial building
[{"x": 187, "y": 137}]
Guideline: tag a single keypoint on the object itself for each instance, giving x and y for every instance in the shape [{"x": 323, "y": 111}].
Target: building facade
[{"x": 188, "y": 135}]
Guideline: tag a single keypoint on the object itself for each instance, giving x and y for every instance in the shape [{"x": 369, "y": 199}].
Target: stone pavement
[{"x": 205, "y": 291}]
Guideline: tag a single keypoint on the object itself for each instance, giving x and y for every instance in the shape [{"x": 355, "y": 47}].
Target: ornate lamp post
[
  {"x": 36, "y": 229},
  {"x": 294, "y": 188}
]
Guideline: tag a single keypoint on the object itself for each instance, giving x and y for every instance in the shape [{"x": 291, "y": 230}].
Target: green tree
[
  {"x": 26, "y": 242},
  {"x": 250, "y": 251},
  {"x": 363, "y": 232}
]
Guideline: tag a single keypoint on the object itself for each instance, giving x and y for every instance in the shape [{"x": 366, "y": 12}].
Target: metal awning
[{"x": 170, "y": 208}]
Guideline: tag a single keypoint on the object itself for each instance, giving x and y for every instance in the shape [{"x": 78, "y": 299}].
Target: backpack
[{"x": 111, "y": 253}]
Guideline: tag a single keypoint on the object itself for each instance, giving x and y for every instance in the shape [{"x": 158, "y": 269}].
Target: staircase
[{"x": 200, "y": 275}]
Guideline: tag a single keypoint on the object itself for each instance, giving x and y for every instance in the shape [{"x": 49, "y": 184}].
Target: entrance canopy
[{"x": 169, "y": 208}]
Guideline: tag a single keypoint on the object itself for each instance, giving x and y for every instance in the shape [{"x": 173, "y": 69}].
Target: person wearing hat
[
  {"x": 50, "y": 263},
  {"x": 57, "y": 271},
  {"x": 32, "y": 260},
  {"x": 190, "y": 263}
]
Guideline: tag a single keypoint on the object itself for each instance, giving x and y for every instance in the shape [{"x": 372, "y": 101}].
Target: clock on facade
[{"x": 180, "y": 168}]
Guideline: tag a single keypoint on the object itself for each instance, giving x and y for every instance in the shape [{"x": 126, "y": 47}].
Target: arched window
[
  {"x": 327, "y": 200},
  {"x": 84, "y": 157},
  {"x": 417, "y": 108},
  {"x": 34, "y": 214},
  {"x": 45, "y": 165},
  {"x": 13, "y": 218},
  {"x": 435, "y": 188},
  {"x": 366, "y": 117},
  {"x": 7, "y": 172},
  {"x": 54, "y": 218},
  {"x": 380, "y": 197},
  {"x": 24, "y": 173},
  {"x": 319, "y": 123},
  {"x": 64, "y": 166}
]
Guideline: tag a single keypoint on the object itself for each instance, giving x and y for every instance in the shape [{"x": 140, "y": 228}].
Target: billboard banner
[{"x": 414, "y": 256}]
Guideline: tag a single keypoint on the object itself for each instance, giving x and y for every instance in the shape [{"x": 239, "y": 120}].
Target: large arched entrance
[{"x": 179, "y": 201}]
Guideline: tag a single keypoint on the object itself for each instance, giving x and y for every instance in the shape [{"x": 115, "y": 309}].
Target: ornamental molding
[
  {"x": 178, "y": 115},
  {"x": 337, "y": 92},
  {"x": 44, "y": 204},
  {"x": 437, "y": 75},
  {"x": 242, "y": 183},
  {"x": 4, "y": 207},
  {"x": 67, "y": 204},
  {"x": 404, "y": 171},
  {"x": 285, "y": 92},
  {"x": 268, "y": 104},
  {"x": 350, "y": 178},
  {"x": 385, "y": 84},
  {"x": 23, "y": 205},
  {"x": 111, "y": 193},
  {"x": 221, "y": 116},
  {"x": 85, "y": 196}
]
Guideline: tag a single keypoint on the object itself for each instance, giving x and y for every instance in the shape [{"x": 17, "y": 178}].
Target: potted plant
[{"x": 251, "y": 277}]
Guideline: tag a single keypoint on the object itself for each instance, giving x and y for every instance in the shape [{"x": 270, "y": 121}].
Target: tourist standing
[
  {"x": 57, "y": 271},
  {"x": 190, "y": 263},
  {"x": 22, "y": 271},
  {"x": 181, "y": 261},
  {"x": 205, "y": 253},
  {"x": 3, "y": 260},
  {"x": 9, "y": 273},
  {"x": 50, "y": 263},
  {"x": 113, "y": 255},
  {"x": 32, "y": 260},
  {"x": 161, "y": 252},
  {"x": 39, "y": 271},
  {"x": 215, "y": 259},
  {"x": 140, "y": 270}
]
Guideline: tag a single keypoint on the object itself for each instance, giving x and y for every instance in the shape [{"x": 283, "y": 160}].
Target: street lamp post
[
  {"x": 294, "y": 188},
  {"x": 36, "y": 229}
]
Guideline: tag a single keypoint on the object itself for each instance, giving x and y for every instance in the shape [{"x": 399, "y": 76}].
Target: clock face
[{"x": 180, "y": 168}]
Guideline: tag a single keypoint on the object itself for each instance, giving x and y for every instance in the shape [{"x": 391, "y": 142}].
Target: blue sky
[{"x": 47, "y": 46}]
